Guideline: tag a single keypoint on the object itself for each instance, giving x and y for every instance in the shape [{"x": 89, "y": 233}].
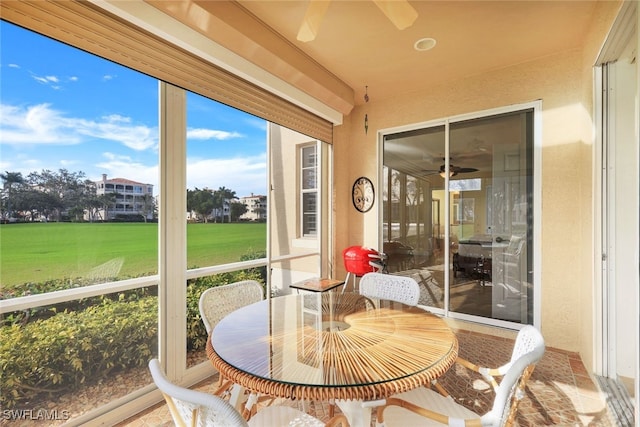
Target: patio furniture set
[{"x": 371, "y": 351}]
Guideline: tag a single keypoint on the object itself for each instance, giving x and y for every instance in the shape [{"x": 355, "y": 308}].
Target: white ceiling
[
  {"x": 358, "y": 48},
  {"x": 358, "y": 44}
]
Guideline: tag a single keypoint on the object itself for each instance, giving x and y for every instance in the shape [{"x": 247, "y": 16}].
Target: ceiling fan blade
[
  {"x": 466, "y": 170},
  {"x": 312, "y": 20},
  {"x": 400, "y": 12}
]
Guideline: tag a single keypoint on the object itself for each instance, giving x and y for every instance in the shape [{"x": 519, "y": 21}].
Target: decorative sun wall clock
[{"x": 363, "y": 194}]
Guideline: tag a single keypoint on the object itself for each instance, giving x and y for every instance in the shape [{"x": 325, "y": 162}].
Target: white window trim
[
  {"x": 316, "y": 190},
  {"x": 536, "y": 106}
]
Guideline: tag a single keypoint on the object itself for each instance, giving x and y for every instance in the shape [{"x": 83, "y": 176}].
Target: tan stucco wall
[
  {"x": 564, "y": 84},
  {"x": 284, "y": 208}
]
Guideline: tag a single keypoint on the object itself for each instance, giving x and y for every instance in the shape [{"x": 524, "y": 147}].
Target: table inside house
[{"x": 329, "y": 346}]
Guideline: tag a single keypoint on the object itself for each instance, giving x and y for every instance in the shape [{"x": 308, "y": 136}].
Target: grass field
[{"x": 43, "y": 251}]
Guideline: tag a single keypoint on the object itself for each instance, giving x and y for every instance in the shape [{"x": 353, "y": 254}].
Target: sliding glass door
[
  {"x": 413, "y": 209},
  {"x": 458, "y": 213}
]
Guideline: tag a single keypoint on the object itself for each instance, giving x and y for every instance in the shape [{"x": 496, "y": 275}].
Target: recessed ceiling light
[{"x": 424, "y": 44}]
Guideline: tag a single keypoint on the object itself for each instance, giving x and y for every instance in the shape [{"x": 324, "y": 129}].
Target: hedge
[
  {"x": 60, "y": 353},
  {"x": 62, "y": 350}
]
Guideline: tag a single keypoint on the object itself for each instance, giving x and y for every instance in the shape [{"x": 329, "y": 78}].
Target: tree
[
  {"x": 236, "y": 210},
  {"x": 107, "y": 200},
  {"x": 93, "y": 207},
  {"x": 36, "y": 202},
  {"x": 70, "y": 188},
  {"x": 201, "y": 202},
  {"x": 9, "y": 179},
  {"x": 221, "y": 195},
  {"x": 147, "y": 205},
  {"x": 258, "y": 208}
]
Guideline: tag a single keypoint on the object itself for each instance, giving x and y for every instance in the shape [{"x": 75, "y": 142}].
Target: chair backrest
[
  {"x": 388, "y": 286},
  {"x": 516, "y": 244},
  {"x": 527, "y": 340},
  {"x": 194, "y": 408},
  {"x": 217, "y": 302},
  {"x": 512, "y": 387}
]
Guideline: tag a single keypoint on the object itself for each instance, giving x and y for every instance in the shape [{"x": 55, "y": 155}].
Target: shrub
[
  {"x": 44, "y": 312},
  {"x": 64, "y": 351},
  {"x": 46, "y": 350}
]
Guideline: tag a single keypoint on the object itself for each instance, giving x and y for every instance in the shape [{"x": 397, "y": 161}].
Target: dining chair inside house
[
  {"x": 425, "y": 407},
  {"x": 217, "y": 302},
  {"x": 390, "y": 287},
  {"x": 527, "y": 340},
  {"x": 196, "y": 408},
  {"x": 512, "y": 259}
]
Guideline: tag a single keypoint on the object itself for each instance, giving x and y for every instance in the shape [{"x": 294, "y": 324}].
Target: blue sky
[{"x": 64, "y": 108}]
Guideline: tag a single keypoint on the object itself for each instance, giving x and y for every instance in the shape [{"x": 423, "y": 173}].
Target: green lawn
[{"x": 43, "y": 251}]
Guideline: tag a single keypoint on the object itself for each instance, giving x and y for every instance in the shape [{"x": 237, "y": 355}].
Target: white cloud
[
  {"x": 117, "y": 166},
  {"x": 24, "y": 165},
  {"x": 116, "y": 157},
  {"x": 68, "y": 163},
  {"x": 52, "y": 81},
  {"x": 14, "y": 66},
  {"x": 108, "y": 77},
  {"x": 242, "y": 175},
  {"x": 38, "y": 124},
  {"x": 117, "y": 118},
  {"x": 46, "y": 79},
  {"x": 41, "y": 124},
  {"x": 199, "y": 133},
  {"x": 256, "y": 123}
]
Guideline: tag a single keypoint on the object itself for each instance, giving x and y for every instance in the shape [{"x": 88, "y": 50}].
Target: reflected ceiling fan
[
  {"x": 399, "y": 12},
  {"x": 453, "y": 170}
]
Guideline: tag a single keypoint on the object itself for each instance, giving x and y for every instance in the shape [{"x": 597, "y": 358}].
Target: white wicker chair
[
  {"x": 218, "y": 301},
  {"x": 526, "y": 341},
  {"x": 198, "y": 409},
  {"x": 387, "y": 286},
  {"x": 425, "y": 407}
]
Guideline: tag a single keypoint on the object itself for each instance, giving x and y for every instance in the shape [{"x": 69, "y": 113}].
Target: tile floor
[{"x": 560, "y": 391}]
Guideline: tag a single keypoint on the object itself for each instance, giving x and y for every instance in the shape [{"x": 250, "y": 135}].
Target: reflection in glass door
[
  {"x": 458, "y": 214},
  {"x": 413, "y": 209}
]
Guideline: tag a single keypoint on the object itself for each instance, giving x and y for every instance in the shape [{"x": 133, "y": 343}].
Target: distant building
[
  {"x": 256, "y": 208},
  {"x": 129, "y": 198}
]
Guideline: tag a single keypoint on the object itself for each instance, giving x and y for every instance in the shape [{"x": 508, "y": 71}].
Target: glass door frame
[{"x": 536, "y": 263}]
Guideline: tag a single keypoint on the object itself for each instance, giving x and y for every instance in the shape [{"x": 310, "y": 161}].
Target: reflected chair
[
  {"x": 391, "y": 287},
  {"x": 512, "y": 260},
  {"x": 425, "y": 407},
  {"x": 399, "y": 256},
  {"x": 196, "y": 408},
  {"x": 218, "y": 301}
]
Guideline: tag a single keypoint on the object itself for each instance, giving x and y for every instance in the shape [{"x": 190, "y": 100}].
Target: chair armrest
[
  {"x": 338, "y": 420},
  {"x": 441, "y": 418},
  {"x": 488, "y": 374}
]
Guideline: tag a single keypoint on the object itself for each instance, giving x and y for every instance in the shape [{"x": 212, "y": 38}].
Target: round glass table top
[{"x": 337, "y": 345}]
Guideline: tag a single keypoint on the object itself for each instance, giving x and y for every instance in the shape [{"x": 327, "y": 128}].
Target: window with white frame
[{"x": 309, "y": 190}]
